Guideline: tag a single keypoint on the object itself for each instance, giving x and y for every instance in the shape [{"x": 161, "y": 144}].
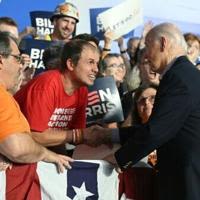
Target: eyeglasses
[
  {"x": 122, "y": 66},
  {"x": 142, "y": 100},
  {"x": 18, "y": 58}
]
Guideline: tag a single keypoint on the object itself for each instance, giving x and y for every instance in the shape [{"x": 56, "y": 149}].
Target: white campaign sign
[{"x": 122, "y": 18}]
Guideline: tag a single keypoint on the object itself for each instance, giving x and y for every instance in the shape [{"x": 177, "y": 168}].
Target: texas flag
[{"x": 87, "y": 180}]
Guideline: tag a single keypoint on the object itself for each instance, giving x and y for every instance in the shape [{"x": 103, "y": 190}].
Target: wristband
[
  {"x": 105, "y": 49},
  {"x": 73, "y": 136},
  {"x": 77, "y": 136}
]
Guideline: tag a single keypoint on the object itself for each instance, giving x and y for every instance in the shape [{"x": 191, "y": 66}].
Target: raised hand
[
  {"x": 147, "y": 27},
  {"x": 108, "y": 38},
  {"x": 111, "y": 159},
  {"x": 120, "y": 42},
  {"x": 26, "y": 60},
  {"x": 29, "y": 30}
]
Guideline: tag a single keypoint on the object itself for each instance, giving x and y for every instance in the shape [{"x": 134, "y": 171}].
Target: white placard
[{"x": 122, "y": 18}]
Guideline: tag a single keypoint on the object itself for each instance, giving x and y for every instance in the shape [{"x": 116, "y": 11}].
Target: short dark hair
[
  {"x": 135, "y": 115},
  {"x": 8, "y": 21},
  {"x": 192, "y": 37},
  {"x": 5, "y": 39},
  {"x": 87, "y": 37},
  {"x": 52, "y": 55},
  {"x": 72, "y": 50},
  {"x": 131, "y": 40}
]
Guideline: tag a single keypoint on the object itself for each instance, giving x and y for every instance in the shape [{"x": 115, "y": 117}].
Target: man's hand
[
  {"x": 26, "y": 61},
  {"x": 147, "y": 27},
  {"x": 97, "y": 135},
  {"x": 111, "y": 159},
  {"x": 108, "y": 38},
  {"x": 61, "y": 161},
  {"x": 29, "y": 30},
  {"x": 120, "y": 42}
]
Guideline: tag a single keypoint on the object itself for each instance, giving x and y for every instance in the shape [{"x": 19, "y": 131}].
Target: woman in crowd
[{"x": 141, "y": 177}]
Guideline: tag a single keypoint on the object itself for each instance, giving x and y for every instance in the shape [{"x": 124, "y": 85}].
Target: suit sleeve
[{"x": 172, "y": 106}]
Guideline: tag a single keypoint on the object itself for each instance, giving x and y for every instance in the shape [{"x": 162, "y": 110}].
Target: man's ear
[
  {"x": 163, "y": 43},
  {"x": 69, "y": 64},
  {"x": 1, "y": 61}
]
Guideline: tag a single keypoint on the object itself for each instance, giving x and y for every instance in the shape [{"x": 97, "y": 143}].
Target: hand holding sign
[
  {"x": 109, "y": 36},
  {"x": 122, "y": 22}
]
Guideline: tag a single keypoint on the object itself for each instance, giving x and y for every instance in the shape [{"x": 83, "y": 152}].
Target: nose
[
  {"x": 69, "y": 25},
  {"x": 95, "y": 68},
  {"x": 147, "y": 101}
]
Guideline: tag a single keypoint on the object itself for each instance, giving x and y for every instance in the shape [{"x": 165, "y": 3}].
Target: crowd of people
[{"x": 157, "y": 76}]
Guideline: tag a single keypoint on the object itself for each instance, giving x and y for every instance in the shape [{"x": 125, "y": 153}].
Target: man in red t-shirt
[
  {"x": 57, "y": 99},
  {"x": 16, "y": 142}
]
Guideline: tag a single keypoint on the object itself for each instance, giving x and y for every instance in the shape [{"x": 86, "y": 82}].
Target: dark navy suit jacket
[{"x": 174, "y": 130}]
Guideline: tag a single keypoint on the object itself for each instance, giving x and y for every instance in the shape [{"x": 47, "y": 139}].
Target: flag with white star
[
  {"x": 87, "y": 180},
  {"x": 82, "y": 181}
]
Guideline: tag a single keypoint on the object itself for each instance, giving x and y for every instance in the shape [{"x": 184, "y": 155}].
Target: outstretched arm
[{"x": 21, "y": 148}]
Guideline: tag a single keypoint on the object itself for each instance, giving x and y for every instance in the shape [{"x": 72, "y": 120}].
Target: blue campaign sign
[
  {"x": 96, "y": 26},
  {"x": 188, "y": 21},
  {"x": 104, "y": 104},
  {"x": 35, "y": 49},
  {"x": 41, "y": 21}
]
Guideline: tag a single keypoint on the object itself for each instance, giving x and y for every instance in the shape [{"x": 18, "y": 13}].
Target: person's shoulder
[
  {"x": 184, "y": 67},
  {"x": 46, "y": 79},
  {"x": 186, "y": 74},
  {"x": 4, "y": 94},
  {"x": 184, "y": 62},
  {"x": 6, "y": 99},
  {"x": 50, "y": 74}
]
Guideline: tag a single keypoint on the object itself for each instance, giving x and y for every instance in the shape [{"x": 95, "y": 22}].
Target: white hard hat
[{"x": 66, "y": 10}]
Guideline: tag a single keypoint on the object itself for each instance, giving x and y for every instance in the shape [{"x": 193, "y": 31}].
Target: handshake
[{"x": 97, "y": 135}]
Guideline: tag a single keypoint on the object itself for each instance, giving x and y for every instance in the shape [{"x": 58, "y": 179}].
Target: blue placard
[
  {"x": 41, "y": 21},
  {"x": 104, "y": 104},
  {"x": 35, "y": 49}
]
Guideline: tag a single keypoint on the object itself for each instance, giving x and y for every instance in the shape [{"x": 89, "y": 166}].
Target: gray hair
[
  {"x": 5, "y": 39},
  {"x": 172, "y": 32}
]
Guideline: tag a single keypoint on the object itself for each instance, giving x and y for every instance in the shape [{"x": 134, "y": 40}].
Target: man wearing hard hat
[{"x": 64, "y": 19}]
